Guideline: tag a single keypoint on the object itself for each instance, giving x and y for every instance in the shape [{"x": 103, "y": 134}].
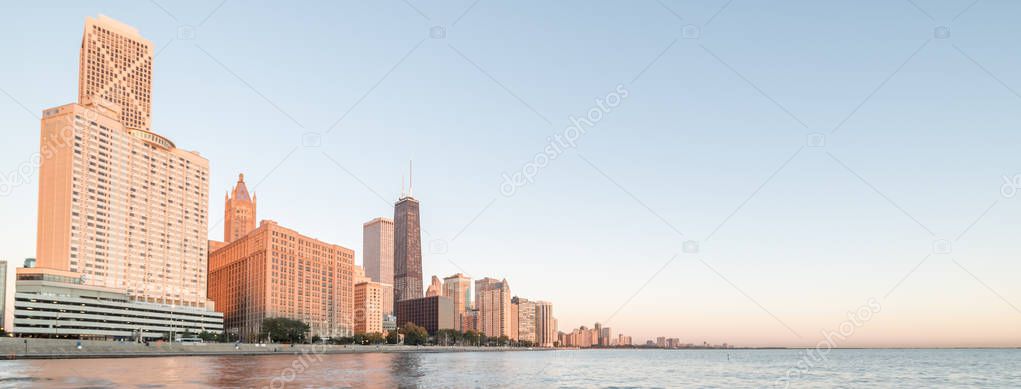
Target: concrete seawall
[{"x": 16, "y": 348}]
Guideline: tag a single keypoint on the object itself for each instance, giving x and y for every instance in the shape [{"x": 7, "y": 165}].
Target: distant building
[
  {"x": 238, "y": 212},
  {"x": 527, "y": 315},
  {"x": 545, "y": 324},
  {"x": 458, "y": 288},
  {"x": 623, "y": 341},
  {"x": 435, "y": 288},
  {"x": 378, "y": 251},
  {"x": 277, "y": 272},
  {"x": 368, "y": 303},
  {"x": 493, "y": 301},
  {"x": 433, "y": 312},
  {"x": 407, "y": 249},
  {"x": 661, "y": 342},
  {"x": 60, "y": 304}
]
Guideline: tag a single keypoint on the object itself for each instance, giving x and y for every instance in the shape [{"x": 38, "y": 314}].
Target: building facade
[
  {"x": 118, "y": 203},
  {"x": 277, "y": 272},
  {"x": 115, "y": 65},
  {"x": 434, "y": 313},
  {"x": 545, "y": 324},
  {"x": 368, "y": 302},
  {"x": 493, "y": 300},
  {"x": 527, "y": 319},
  {"x": 407, "y": 250},
  {"x": 458, "y": 288},
  {"x": 378, "y": 250},
  {"x": 238, "y": 212},
  {"x": 57, "y": 304}
]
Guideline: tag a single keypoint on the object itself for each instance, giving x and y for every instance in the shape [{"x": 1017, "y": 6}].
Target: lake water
[{"x": 540, "y": 369}]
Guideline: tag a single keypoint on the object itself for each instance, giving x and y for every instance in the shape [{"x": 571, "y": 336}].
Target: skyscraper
[
  {"x": 378, "y": 249},
  {"x": 545, "y": 324},
  {"x": 493, "y": 300},
  {"x": 116, "y": 66},
  {"x": 458, "y": 288},
  {"x": 527, "y": 314},
  {"x": 119, "y": 204},
  {"x": 407, "y": 250},
  {"x": 238, "y": 212}
]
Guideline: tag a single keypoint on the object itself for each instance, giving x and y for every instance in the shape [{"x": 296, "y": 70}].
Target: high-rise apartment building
[
  {"x": 407, "y": 249},
  {"x": 238, "y": 212},
  {"x": 527, "y": 315},
  {"x": 277, "y": 272},
  {"x": 458, "y": 288},
  {"x": 118, "y": 203},
  {"x": 378, "y": 250},
  {"x": 493, "y": 300},
  {"x": 545, "y": 324},
  {"x": 116, "y": 66}
]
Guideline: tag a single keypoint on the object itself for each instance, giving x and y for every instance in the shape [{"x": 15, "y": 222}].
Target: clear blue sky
[{"x": 712, "y": 136}]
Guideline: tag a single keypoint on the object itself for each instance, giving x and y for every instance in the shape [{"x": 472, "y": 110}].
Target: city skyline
[{"x": 788, "y": 232}]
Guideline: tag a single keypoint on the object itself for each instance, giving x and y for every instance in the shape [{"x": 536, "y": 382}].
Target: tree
[
  {"x": 414, "y": 335},
  {"x": 284, "y": 330},
  {"x": 207, "y": 336},
  {"x": 393, "y": 337},
  {"x": 374, "y": 338},
  {"x": 447, "y": 337}
]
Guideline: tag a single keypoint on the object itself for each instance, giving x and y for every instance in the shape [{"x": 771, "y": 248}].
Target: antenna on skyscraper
[{"x": 411, "y": 185}]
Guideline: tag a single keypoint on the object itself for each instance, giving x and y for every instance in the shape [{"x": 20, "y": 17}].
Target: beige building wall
[
  {"x": 526, "y": 322},
  {"x": 378, "y": 250},
  {"x": 123, "y": 207}
]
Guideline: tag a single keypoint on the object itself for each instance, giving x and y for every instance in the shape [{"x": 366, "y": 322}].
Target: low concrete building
[{"x": 59, "y": 304}]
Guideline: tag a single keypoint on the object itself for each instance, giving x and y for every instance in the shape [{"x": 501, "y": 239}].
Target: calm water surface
[{"x": 569, "y": 369}]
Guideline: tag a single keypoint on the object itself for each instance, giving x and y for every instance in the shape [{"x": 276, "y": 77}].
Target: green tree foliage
[
  {"x": 414, "y": 335},
  {"x": 284, "y": 330},
  {"x": 393, "y": 337}
]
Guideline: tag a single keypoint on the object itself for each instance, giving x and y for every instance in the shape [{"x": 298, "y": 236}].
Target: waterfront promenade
[{"x": 17, "y": 348}]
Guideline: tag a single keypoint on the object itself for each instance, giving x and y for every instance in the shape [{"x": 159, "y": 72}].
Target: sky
[{"x": 819, "y": 158}]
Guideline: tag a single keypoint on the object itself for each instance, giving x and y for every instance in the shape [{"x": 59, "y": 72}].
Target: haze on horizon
[{"x": 814, "y": 156}]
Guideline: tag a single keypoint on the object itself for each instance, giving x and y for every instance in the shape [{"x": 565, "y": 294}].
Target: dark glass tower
[{"x": 407, "y": 250}]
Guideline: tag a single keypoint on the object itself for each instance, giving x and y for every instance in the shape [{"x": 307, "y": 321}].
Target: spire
[
  {"x": 241, "y": 190},
  {"x": 411, "y": 182}
]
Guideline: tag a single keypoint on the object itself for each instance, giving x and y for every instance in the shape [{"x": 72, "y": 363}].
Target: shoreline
[{"x": 41, "y": 349}]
